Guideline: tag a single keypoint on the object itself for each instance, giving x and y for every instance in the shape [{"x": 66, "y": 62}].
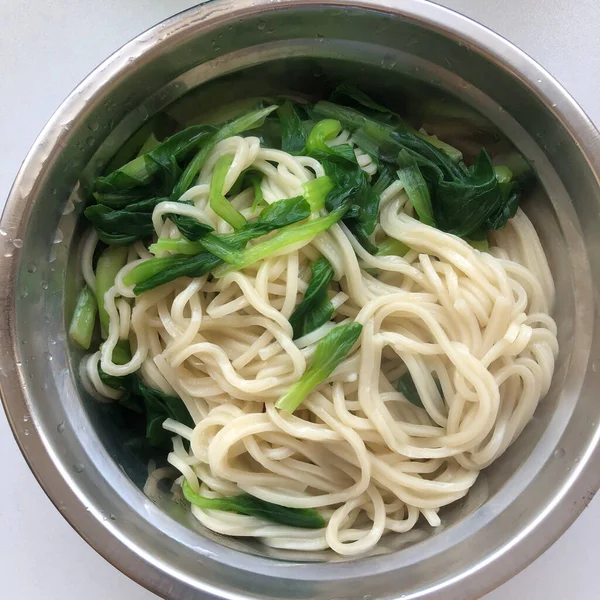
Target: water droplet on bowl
[
  {"x": 25, "y": 418},
  {"x": 23, "y": 294},
  {"x": 261, "y": 25},
  {"x": 79, "y": 469},
  {"x": 58, "y": 237},
  {"x": 61, "y": 427},
  {"x": 48, "y": 356},
  {"x": 388, "y": 62},
  {"x": 112, "y": 517},
  {"x": 17, "y": 243},
  {"x": 8, "y": 254},
  {"x": 31, "y": 267},
  {"x": 2, "y": 232},
  {"x": 26, "y": 431},
  {"x": 559, "y": 453},
  {"x": 69, "y": 208},
  {"x": 44, "y": 285}
]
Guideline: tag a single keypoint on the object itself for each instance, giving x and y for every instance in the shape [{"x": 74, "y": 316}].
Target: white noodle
[{"x": 356, "y": 450}]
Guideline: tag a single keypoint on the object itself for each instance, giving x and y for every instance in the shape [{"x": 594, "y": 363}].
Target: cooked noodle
[{"x": 356, "y": 449}]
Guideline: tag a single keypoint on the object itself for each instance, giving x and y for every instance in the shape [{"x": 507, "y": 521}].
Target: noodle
[{"x": 472, "y": 328}]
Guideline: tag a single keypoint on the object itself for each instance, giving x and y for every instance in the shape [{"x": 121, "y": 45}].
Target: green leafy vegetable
[
  {"x": 158, "y": 271},
  {"x": 246, "y": 122},
  {"x": 330, "y": 352},
  {"x": 481, "y": 245},
  {"x": 220, "y": 205},
  {"x": 160, "y": 165},
  {"x": 191, "y": 228},
  {"x": 316, "y": 190},
  {"x": 316, "y": 308},
  {"x": 351, "y": 188},
  {"x": 84, "y": 318},
  {"x": 155, "y": 406},
  {"x": 453, "y": 153},
  {"x": 293, "y": 136},
  {"x": 463, "y": 199},
  {"x": 300, "y": 232},
  {"x": 158, "y": 407},
  {"x": 415, "y": 187},
  {"x": 126, "y": 225},
  {"x": 322, "y": 132},
  {"x": 111, "y": 261},
  {"x": 275, "y": 216},
  {"x": 406, "y": 386},
  {"x": 245, "y": 504},
  {"x": 392, "y": 247}
]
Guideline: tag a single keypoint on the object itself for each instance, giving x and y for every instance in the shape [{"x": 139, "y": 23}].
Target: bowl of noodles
[{"x": 299, "y": 303}]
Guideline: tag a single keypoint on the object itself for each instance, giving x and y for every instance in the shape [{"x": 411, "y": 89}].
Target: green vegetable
[
  {"x": 255, "y": 180},
  {"x": 275, "y": 216},
  {"x": 406, "y": 386},
  {"x": 300, "y": 232},
  {"x": 149, "y": 172},
  {"x": 131, "y": 148},
  {"x": 415, "y": 187},
  {"x": 246, "y": 504},
  {"x": 293, "y": 136},
  {"x": 330, "y": 352},
  {"x": 392, "y": 247},
  {"x": 123, "y": 226},
  {"x": 322, "y": 132},
  {"x": 150, "y": 143},
  {"x": 246, "y": 122},
  {"x": 475, "y": 201},
  {"x": 155, "y": 406},
  {"x": 464, "y": 200},
  {"x": 220, "y": 205},
  {"x": 454, "y": 154},
  {"x": 347, "y": 91},
  {"x": 316, "y": 190},
  {"x": 194, "y": 261},
  {"x": 158, "y": 407},
  {"x": 316, "y": 308},
  {"x": 84, "y": 318},
  {"x": 481, "y": 245},
  {"x": 351, "y": 188},
  {"x": 111, "y": 261},
  {"x": 158, "y": 271},
  {"x": 179, "y": 245},
  {"x": 249, "y": 178},
  {"x": 191, "y": 228},
  {"x": 134, "y": 222}
]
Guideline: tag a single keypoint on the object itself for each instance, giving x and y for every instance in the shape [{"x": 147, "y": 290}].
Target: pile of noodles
[{"x": 473, "y": 328}]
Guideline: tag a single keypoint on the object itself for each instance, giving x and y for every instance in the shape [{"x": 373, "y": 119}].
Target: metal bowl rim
[{"x": 567, "y": 504}]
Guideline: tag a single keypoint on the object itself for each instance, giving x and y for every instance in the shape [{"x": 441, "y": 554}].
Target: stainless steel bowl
[{"x": 408, "y": 51}]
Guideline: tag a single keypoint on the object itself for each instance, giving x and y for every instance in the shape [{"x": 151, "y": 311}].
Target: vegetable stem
[
  {"x": 330, "y": 352},
  {"x": 84, "y": 318},
  {"x": 111, "y": 261},
  {"x": 220, "y": 205},
  {"x": 293, "y": 234}
]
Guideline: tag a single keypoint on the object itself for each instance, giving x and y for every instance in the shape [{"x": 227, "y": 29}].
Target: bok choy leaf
[
  {"x": 315, "y": 308},
  {"x": 330, "y": 352},
  {"x": 245, "y": 504}
]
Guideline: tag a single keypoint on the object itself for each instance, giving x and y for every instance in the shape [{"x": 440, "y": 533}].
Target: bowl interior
[
  {"x": 434, "y": 80},
  {"x": 421, "y": 103}
]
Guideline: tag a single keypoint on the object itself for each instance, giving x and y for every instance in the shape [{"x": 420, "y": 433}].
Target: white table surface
[{"x": 46, "y": 48}]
